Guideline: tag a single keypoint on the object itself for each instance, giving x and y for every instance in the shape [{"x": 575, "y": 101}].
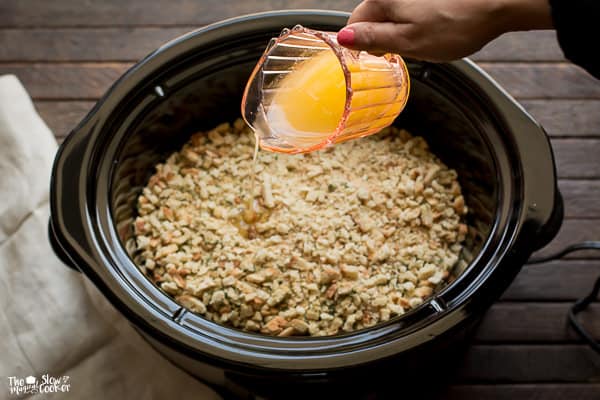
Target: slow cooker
[{"x": 502, "y": 156}]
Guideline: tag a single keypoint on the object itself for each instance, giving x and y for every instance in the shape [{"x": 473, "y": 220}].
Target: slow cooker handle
[
  {"x": 551, "y": 228},
  {"x": 65, "y": 229},
  {"x": 542, "y": 202},
  {"x": 544, "y": 207},
  {"x": 58, "y": 250}
]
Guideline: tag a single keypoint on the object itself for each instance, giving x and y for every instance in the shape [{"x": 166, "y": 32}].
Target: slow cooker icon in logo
[{"x": 30, "y": 380}]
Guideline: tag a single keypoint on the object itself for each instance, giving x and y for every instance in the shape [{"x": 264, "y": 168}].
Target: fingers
[
  {"x": 376, "y": 37},
  {"x": 382, "y": 11},
  {"x": 373, "y": 11},
  {"x": 375, "y": 26}
]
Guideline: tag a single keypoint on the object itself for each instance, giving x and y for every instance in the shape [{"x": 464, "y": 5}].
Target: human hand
[{"x": 438, "y": 30}]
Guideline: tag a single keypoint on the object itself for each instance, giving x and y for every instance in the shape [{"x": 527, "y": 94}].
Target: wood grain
[
  {"x": 131, "y": 44},
  {"x": 66, "y": 81},
  {"x": 566, "y": 117},
  {"x": 581, "y": 197},
  {"x": 62, "y": 116},
  {"x": 577, "y": 158},
  {"x": 565, "y": 280},
  {"x": 90, "y": 80},
  {"x": 523, "y": 363},
  {"x": 522, "y": 46},
  {"x": 544, "y": 80},
  {"x": 18, "y": 13},
  {"x": 573, "y": 231},
  {"x": 110, "y": 44},
  {"x": 534, "y": 322},
  {"x": 523, "y": 392}
]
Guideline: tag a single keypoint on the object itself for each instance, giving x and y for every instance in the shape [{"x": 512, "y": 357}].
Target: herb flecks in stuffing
[{"x": 346, "y": 238}]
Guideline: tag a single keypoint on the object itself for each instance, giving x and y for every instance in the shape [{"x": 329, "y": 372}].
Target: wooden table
[{"x": 67, "y": 54}]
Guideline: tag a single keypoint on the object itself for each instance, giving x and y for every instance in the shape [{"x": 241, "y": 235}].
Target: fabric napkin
[{"x": 53, "y": 323}]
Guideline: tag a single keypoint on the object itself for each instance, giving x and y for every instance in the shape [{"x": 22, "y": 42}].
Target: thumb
[{"x": 374, "y": 37}]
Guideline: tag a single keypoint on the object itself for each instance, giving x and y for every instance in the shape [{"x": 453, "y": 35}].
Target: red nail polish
[{"x": 345, "y": 37}]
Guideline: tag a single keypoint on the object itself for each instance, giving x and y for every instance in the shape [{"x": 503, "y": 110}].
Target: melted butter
[
  {"x": 250, "y": 198},
  {"x": 247, "y": 218},
  {"x": 250, "y": 213}
]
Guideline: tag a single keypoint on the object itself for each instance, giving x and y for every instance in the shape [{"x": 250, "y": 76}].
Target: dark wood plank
[
  {"x": 565, "y": 280},
  {"x": 534, "y": 322},
  {"x": 566, "y": 117},
  {"x": 111, "y": 44},
  {"x": 572, "y": 231},
  {"x": 66, "y": 81},
  {"x": 62, "y": 116},
  {"x": 544, "y": 80},
  {"x": 582, "y": 197},
  {"x": 522, "y": 46},
  {"x": 527, "y": 363},
  {"x": 131, "y": 44},
  {"x": 574, "y": 391},
  {"x": 577, "y": 158},
  {"x": 18, "y": 13},
  {"x": 522, "y": 80}
]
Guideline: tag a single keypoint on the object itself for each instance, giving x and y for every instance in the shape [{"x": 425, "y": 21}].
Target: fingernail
[{"x": 345, "y": 37}]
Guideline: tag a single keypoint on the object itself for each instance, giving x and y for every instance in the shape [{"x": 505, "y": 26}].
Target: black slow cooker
[{"x": 502, "y": 156}]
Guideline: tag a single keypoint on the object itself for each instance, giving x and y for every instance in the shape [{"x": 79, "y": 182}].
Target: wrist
[{"x": 524, "y": 15}]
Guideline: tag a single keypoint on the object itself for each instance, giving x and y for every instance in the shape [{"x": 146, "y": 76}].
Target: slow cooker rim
[{"x": 236, "y": 20}]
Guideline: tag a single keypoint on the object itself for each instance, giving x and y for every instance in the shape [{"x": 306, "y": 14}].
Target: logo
[{"x": 31, "y": 385}]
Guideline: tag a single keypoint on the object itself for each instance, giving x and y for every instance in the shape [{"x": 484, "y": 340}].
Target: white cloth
[{"x": 49, "y": 322}]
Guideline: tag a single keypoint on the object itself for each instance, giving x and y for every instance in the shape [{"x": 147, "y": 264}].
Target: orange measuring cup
[{"x": 308, "y": 92}]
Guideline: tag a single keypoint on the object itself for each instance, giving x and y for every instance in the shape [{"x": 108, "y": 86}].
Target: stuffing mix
[{"x": 334, "y": 241}]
